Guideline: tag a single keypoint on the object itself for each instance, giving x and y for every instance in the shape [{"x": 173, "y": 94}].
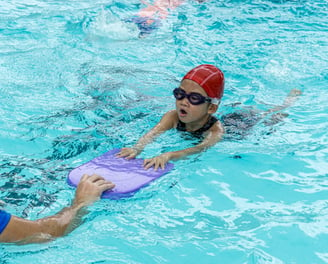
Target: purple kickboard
[{"x": 127, "y": 175}]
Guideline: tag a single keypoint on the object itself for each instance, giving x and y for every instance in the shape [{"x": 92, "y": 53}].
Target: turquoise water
[{"x": 75, "y": 81}]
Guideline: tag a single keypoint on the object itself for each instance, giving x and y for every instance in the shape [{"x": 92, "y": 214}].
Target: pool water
[{"x": 76, "y": 81}]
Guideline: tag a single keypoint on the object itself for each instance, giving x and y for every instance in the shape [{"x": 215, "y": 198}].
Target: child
[
  {"x": 149, "y": 18},
  {"x": 197, "y": 99}
]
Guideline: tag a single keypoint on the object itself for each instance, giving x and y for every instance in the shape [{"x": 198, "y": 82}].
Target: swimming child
[
  {"x": 149, "y": 18},
  {"x": 197, "y": 99}
]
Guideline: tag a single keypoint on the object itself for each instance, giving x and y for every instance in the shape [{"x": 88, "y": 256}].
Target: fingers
[
  {"x": 107, "y": 186},
  {"x": 98, "y": 181},
  {"x": 92, "y": 178},
  {"x": 148, "y": 163},
  {"x": 131, "y": 156},
  {"x": 84, "y": 177},
  {"x": 90, "y": 189},
  {"x": 128, "y": 153},
  {"x": 156, "y": 162}
]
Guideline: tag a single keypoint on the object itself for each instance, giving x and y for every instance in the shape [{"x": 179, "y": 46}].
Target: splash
[{"x": 108, "y": 26}]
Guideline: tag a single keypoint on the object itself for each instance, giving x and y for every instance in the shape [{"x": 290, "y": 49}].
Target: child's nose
[{"x": 185, "y": 101}]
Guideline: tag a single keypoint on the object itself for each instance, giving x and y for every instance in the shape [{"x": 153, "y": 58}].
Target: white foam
[{"x": 107, "y": 25}]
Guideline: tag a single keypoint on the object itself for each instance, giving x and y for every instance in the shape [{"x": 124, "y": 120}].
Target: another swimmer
[
  {"x": 149, "y": 18},
  {"x": 18, "y": 230},
  {"x": 197, "y": 99}
]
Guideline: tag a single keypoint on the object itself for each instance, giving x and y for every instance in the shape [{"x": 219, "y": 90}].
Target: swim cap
[{"x": 209, "y": 77}]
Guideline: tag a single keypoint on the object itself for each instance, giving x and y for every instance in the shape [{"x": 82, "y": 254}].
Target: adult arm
[{"x": 25, "y": 231}]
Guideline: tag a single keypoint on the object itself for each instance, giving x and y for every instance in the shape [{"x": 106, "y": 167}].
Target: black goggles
[{"x": 193, "y": 98}]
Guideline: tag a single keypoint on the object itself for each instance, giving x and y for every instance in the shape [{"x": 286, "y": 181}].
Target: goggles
[{"x": 193, "y": 98}]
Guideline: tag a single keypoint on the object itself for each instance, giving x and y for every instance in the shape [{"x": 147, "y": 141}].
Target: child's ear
[{"x": 212, "y": 108}]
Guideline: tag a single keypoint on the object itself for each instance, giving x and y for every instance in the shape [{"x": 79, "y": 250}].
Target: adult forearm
[
  {"x": 63, "y": 222},
  {"x": 24, "y": 231}
]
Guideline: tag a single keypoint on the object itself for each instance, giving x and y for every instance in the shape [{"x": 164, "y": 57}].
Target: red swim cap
[{"x": 209, "y": 77}]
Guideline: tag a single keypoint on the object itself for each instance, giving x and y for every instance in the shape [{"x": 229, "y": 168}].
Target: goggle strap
[{"x": 215, "y": 101}]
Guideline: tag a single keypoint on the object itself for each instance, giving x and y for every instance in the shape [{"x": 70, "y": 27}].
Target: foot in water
[{"x": 276, "y": 116}]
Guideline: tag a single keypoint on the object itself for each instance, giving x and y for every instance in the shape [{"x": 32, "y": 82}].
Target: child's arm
[
  {"x": 214, "y": 135},
  {"x": 167, "y": 122}
]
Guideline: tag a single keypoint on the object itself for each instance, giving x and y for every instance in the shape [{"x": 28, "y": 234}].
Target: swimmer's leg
[
  {"x": 291, "y": 98},
  {"x": 276, "y": 116},
  {"x": 293, "y": 95}
]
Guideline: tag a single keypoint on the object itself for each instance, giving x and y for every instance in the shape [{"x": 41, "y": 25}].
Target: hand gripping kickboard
[{"x": 127, "y": 175}]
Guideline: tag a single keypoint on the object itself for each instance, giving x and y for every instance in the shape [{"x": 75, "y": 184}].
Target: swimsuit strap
[{"x": 210, "y": 122}]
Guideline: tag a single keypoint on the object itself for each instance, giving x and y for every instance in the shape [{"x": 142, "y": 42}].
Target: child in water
[
  {"x": 197, "y": 99},
  {"x": 149, "y": 18}
]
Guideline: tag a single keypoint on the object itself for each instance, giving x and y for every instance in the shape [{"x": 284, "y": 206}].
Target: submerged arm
[{"x": 167, "y": 122}]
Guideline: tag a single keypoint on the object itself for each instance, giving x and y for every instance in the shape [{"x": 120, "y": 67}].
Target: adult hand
[
  {"x": 90, "y": 189},
  {"x": 158, "y": 161},
  {"x": 128, "y": 153}
]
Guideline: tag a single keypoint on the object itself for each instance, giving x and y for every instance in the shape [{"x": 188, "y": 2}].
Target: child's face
[{"x": 193, "y": 114}]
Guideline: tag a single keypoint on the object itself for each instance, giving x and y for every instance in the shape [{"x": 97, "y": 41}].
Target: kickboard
[{"x": 127, "y": 175}]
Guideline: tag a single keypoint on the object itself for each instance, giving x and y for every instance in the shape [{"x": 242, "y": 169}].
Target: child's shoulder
[
  {"x": 171, "y": 117},
  {"x": 171, "y": 114},
  {"x": 215, "y": 124}
]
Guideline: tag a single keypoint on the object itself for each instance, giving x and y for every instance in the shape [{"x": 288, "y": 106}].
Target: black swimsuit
[
  {"x": 199, "y": 132},
  {"x": 238, "y": 124}
]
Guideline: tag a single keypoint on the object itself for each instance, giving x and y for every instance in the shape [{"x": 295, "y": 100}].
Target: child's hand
[
  {"x": 158, "y": 161},
  {"x": 128, "y": 153}
]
